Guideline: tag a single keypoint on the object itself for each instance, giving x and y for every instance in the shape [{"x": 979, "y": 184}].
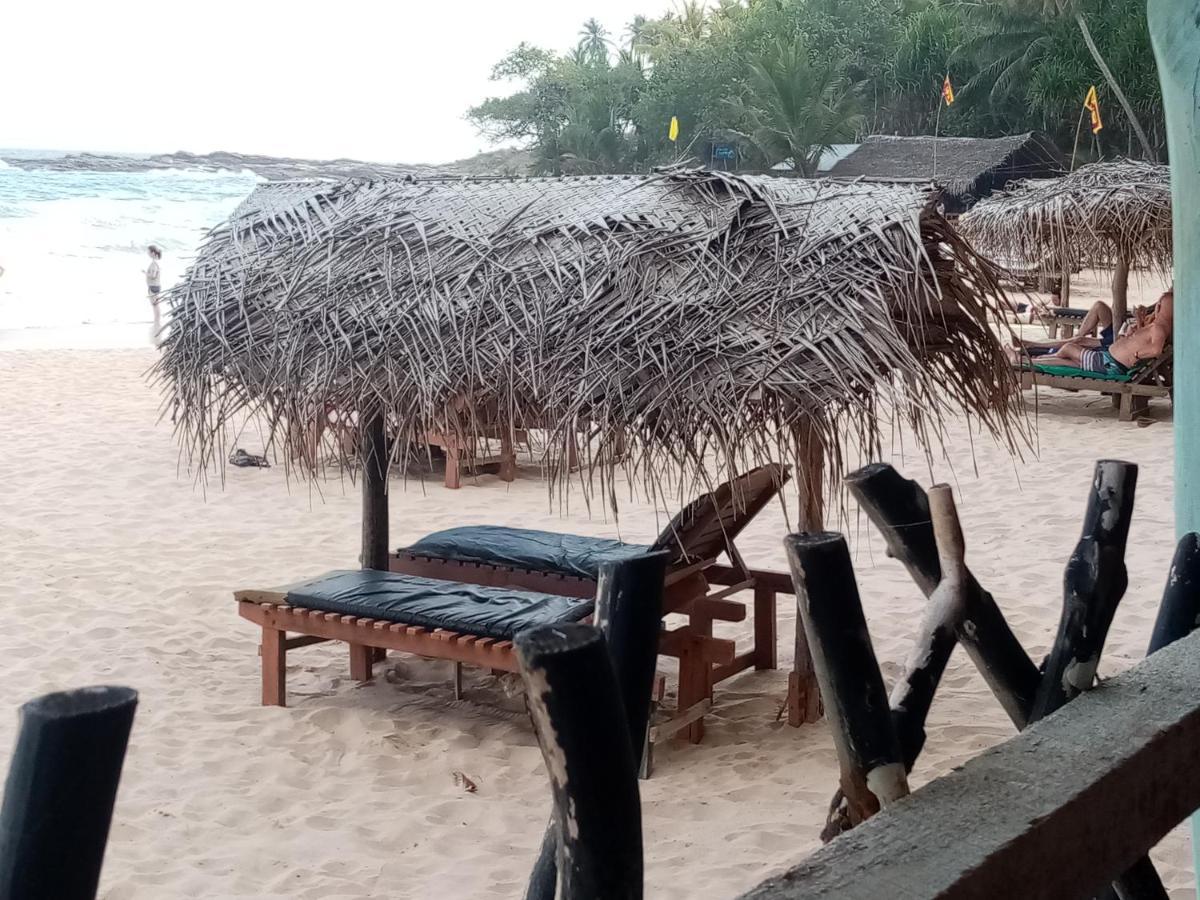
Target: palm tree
[
  {"x": 593, "y": 42},
  {"x": 794, "y": 108}
]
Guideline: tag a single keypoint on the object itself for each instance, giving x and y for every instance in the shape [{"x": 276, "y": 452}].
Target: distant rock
[{"x": 494, "y": 162}]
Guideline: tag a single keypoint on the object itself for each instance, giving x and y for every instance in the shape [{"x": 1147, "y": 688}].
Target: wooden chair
[{"x": 698, "y": 587}]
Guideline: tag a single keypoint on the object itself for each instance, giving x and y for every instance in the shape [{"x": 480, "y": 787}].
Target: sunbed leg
[
  {"x": 274, "y": 668},
  {"x": 458, "y": 687},
  {"x": 1126, "y": 410},
  {"x": 694, "y": 686},
  {"x": 646, "y": 768},
  {"x": 361, "y": 658},
  {"x": 764, "y": 627}
]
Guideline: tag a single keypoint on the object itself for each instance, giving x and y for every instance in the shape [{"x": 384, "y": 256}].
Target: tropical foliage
[{"x": 781, "y": 80}]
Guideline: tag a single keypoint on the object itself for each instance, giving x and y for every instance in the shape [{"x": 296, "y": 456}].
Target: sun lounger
[
  {"x": 1065, "y": 319},
  {"x": 379, "y": 611},
  {"x": 1131, "y": 393},
  {"x": 697, "y": 586}
]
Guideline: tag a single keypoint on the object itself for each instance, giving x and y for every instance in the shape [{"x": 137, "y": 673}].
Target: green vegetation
[{"x": 783, "y": 79}]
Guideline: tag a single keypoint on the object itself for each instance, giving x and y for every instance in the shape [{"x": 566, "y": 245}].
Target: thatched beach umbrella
[
  {"x": 702, "y": 323},
  {"x": 1104, "y": 215}
]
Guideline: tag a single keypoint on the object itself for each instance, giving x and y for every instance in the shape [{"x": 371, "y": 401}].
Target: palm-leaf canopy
[
  {"x": 697, "y": 321},
  {"x": 1095, "y": 217}
]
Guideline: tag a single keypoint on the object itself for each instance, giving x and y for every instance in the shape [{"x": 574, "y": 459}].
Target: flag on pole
[
  {"x": 1092, "y": 104},
  {"x": 947, "y": 91},
  {"x": 673, "y": 131}
]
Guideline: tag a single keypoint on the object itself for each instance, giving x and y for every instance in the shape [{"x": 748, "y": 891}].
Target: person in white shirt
[{"x": 154, "y": 287}]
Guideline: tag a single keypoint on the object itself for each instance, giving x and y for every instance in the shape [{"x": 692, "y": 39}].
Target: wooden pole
[
  {"x": 1175, "y": 35},
  {"x": 810, "y": 482},
  {"x": 575, "y": 703},
  {"x": 900, "y": 510},
  {"x": 872, "y": 771},
  {"x": 58, "y": 799},
  {"x": 375, "y": 549},
  {"x": 1120, "y": 294},
  {"x": 1093, "y": 585},
  {"x": 629, "y": 613},
  {"x": 1179, "y": 612}
]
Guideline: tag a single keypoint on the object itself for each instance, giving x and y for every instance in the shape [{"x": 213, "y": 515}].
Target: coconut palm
[
  {"x": 593, "y": 42},
  {"x": 793, "y": 108}
]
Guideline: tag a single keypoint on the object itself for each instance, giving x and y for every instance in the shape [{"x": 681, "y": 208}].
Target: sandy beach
[{"x": 117, "y": 568}]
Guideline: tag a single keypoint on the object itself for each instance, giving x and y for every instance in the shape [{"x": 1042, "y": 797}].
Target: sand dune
[{"x": 114, "y": 568}]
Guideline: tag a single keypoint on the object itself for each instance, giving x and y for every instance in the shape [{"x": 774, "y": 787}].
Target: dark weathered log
[
  {"x": 1043, "y": 816},
  {"x": 629, "y": 612},
  {"x": 899, "y": 509},
  {"x": 576, "y": 708},
  {"x": 1179, "y": 612},
  {"x": 872, "y": 771},
  {"x": 374, "y": 494},
  {"x": 1093, "y": 585},
  {"x": 58, "y": 799},
  {"x": 912, "y": 695}
]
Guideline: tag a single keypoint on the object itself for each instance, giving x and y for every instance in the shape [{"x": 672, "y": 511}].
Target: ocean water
[{"x": 73, "y": 246}]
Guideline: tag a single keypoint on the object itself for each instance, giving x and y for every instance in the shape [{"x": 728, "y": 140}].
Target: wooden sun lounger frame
[{"x": 1130, "y": 398}]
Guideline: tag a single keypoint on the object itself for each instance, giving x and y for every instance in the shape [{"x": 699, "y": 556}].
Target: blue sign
[{"x": 724, "y": 151}]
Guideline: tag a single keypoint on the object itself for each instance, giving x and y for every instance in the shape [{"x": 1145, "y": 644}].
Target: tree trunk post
[
  {"x": 374, "y": 494},
  {"x": 62, "y": 784},
  {"x": 872, "y": 770},
  {"x": 629, "y": 613},
  {"x": 810, "y": 481},
  {"x": 575, "y": 703},
  {"x": 1179, "y": 612}
]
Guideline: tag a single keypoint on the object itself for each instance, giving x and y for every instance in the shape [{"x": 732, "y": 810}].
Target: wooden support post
[
  {"x": 629, "y": 614},
  {"x": 1064, "y": 291},
  {"x": 453, "y": 451},
  {"x": 1093, "y": 585},
  {"x": 374, "y": 494},
  {"x": 872, "y": 771},
  {"x": 575, "y": 703},
  {"x": 361, "y": 657},
  {"x": 764, "y": 627},
  {"x": 804, "y": 700},
  {"x": 58, "y": 800},
  {"x": 274, "y": 667},
  {"x": 1179, "y": 612},
  {"x": 508, "y": 455}
]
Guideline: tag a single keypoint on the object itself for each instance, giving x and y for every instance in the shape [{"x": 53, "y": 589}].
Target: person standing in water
[{"x": 154, "y": 288}]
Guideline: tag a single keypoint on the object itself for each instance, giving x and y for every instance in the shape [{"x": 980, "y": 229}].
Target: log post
[
  {"x": 575, "y": 703},
  {"x": 374, "y": 494},
  {"x": 872, "y": 771},
  {"x": 58, "y": 799},
  {"x": 1093, "y": 585},
  {"x": 900, "y": 510},
  {"x": 1179, "y": 612},
  {"x": 629, "y": 613},
  {"x": 802, "y": 705}
]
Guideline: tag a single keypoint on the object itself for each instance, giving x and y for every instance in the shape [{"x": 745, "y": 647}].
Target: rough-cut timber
[{"x": 1040, "y": 810}]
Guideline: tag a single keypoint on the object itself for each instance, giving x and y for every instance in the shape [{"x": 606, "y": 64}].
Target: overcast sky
[{"x": 387, "y": 80}]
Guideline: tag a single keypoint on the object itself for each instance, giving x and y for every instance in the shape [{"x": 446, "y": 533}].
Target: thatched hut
[
  {"x": 966, "y": 168},
  {"x": 699, "y": 322},
  {"x": 1104, "y": 215}
]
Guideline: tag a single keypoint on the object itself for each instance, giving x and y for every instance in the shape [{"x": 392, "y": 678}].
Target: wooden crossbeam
[{"x": 1056, "y": 812}]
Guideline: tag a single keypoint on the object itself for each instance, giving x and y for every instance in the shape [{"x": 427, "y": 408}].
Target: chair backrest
[{"x": 708, "y": 525}]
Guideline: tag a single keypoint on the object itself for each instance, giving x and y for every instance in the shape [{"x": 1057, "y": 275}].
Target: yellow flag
[
  {"x": 673, "y": 131},
  {"x": 1092, "y": 104},
  {"x": 947, "y": 92}
]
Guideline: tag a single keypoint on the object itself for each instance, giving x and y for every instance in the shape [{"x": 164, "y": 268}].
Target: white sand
[{"x": 114, "y": 569}]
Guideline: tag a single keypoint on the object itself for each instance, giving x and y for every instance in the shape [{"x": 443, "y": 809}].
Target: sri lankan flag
[
  {"x": 947, "y": 91},
  {"x": 1092, "y": 104}
]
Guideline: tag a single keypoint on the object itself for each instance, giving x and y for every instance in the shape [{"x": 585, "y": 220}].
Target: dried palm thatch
[
  {"x": 1098, "y": 216},
  {"x": 699, "y": 322}
]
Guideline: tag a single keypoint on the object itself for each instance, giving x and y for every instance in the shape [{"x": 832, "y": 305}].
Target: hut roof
[
  {"x": 963, "y": 165},
  {"x": 1095, "y": 216},
  {"x": 699, "y": 321}
]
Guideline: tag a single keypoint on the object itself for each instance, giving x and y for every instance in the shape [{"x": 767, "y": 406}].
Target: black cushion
[
  {"x": 466, "y": 608},
  {"x": 524, "y": 548}
]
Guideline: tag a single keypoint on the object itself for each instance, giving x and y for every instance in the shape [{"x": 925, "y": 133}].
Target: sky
[{"x": 387, "y": 81}]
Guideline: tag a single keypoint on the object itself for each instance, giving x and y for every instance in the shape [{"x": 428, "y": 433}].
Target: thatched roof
[
  {"x": 966, "y": 167},
  {"x": 698, "y": 321},
  {"x": 1098, "y": 214}
]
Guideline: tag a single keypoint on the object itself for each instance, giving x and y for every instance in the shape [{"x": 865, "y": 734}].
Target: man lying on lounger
[{"x": 1143, "y": 340}]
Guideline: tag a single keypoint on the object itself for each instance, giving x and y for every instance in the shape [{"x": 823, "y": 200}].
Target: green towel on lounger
[{"x": 1072, "y": 372}]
